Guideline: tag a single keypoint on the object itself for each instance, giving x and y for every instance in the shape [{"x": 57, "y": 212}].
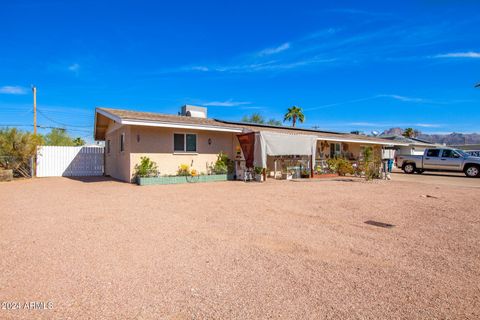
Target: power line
[
  {"x": 42, "y": 127},
  {"x": 61, "y": 123}
]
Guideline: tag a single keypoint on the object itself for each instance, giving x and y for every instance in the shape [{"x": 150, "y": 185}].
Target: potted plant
[
  {"x": 287, "y": 175},
  {"x": 305, "y": 174},
  {"x": 258, "y": 174}
]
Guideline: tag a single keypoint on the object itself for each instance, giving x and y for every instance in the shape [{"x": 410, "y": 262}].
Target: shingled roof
[{"x": 149, "y": 118}]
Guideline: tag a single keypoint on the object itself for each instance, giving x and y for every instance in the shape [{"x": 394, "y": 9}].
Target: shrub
[
  {"x": 372, "y": 163},
  {"x": 340, "y": 166},
  {"x": 183, "y": 170},
  {"x": 223, "y": 164},
  {"x": 17, "y": 149},
  {"x": 146, "y": 168},
  {"x": 258, "y": 170}
]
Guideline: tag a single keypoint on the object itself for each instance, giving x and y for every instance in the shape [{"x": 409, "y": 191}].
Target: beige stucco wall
[
  {"x": 117, "y": 163},
  {"x": 157, "y": 144},
  {"x": 352, "y": 147}
]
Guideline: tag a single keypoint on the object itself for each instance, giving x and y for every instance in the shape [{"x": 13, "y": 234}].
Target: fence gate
[{"x": 55, "y": 161}]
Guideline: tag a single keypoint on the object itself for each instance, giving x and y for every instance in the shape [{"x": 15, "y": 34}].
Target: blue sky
[{"x": 367, "y": 65}]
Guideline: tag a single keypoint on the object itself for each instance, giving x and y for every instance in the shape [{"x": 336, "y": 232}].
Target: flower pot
[
  {"x": 287, "y": 176},
  {"x": 259, "y": 177}
]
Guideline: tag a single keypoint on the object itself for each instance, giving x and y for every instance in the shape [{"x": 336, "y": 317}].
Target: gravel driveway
[{"x": 100, "y": 249}]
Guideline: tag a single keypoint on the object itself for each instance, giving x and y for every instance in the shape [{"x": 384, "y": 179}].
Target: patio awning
[{"x": 269, "y": 143}]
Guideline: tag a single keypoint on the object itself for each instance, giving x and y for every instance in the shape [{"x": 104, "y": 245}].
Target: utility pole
[{"x": 34, "y": 89}]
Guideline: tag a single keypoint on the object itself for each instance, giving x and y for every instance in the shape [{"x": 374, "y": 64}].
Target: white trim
[
  {"x": 178, "y": 125},
  {"x": 361, "y": 141},
  {"x": 109, "y": 115},
  {"x": 113, "y": 128}
]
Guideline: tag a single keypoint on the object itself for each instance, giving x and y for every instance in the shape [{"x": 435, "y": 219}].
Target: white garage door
[{"x": 54, "y": 161}]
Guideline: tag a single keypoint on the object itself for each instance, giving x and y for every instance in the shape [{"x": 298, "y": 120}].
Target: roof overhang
[
  {"x": 363, "y": 141},
  {"x": 165, "y": 124},
  {"x": 149, "y": 123}
]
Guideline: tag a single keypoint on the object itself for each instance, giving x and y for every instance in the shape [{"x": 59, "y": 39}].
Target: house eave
[
  {"x": 361, "y": 141},
  {"x": 178, "y": 125}
]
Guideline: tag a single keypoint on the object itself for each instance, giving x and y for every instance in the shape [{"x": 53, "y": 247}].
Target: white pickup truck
[{"x": 439, "y": 159}]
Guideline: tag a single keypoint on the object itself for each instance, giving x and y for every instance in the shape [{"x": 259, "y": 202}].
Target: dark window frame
[
  {"x": 185, "y": 148},
  {"x": 122, "y": 142}
]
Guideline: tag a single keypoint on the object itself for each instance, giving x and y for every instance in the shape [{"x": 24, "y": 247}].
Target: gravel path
[{"x": 228, "y": 250}]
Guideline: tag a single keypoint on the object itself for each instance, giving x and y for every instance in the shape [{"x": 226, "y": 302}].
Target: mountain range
[{"x": 453, "y": 138}]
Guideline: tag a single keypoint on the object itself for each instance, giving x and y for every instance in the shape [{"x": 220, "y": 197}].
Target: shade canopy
[{"x": 269, "y": 143}]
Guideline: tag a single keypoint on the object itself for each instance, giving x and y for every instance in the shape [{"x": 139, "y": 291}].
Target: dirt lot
[
  {"x": 228, "y": 250},
  {"x": 438, "y": 178}
]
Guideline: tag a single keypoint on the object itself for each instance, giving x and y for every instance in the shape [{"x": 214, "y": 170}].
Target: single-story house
[
  {"x": 194, "y": 139},
  {"x": 414, "y": 146}
]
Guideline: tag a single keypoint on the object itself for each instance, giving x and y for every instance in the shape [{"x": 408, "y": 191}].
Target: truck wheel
[
  {"x": 409, "y": 168},
  {"x": 472, "y": 171}
]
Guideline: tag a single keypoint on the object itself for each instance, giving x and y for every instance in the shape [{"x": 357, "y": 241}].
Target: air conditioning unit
[{"x": 193, "y": 111}]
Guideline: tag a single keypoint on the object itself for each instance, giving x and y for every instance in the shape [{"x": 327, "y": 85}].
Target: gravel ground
[{"x": 100, "y": 249}]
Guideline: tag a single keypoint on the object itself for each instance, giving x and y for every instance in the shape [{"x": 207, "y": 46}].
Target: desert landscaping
[{"x": 234, "y": 250}]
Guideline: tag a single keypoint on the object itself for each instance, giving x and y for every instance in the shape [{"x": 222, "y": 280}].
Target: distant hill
[{"x": 453, "y": 138}]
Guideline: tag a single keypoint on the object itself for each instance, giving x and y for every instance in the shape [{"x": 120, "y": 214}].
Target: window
[
  {"x": 191, "y": 143},
  {"x": 447, "y": 153},
  {"x": 433, "y": 152},
  {"x": 335, "y": 150},
  {"x": 178, "y": 142},
  {"x": 184, "y": 142},
  {"x": 108, "y": 146},
  {"x": 122, "y": 142}
]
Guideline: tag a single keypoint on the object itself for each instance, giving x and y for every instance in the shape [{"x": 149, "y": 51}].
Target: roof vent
[{"x": 194, "y": 111}]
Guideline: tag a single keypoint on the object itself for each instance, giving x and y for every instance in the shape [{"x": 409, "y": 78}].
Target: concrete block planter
[{"x": 181, "y": 179}]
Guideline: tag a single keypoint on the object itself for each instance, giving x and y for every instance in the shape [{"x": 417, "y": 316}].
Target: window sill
[{"x": 185, "y": 152}]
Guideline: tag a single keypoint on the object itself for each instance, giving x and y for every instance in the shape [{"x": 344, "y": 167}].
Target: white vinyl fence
[{"x": 55, "y": 161}]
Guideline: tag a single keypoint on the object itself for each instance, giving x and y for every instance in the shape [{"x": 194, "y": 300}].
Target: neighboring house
[
  {"x": 413, "y": 146},
  {"x": 192, "y": 138}
]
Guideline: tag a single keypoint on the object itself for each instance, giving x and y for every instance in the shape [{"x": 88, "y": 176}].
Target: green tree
[
  {"x": 59, "y": 137},
  {"x": 17, "y": 148},
  {"x": 409, "y": 133},
  {"x": 254, "y": 118},
  {"x": 78, "y": 142},
  {"x": 274, "y": 122},
  {"x": 293, "y": 114}
]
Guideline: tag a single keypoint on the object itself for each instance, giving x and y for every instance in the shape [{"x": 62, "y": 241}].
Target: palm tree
[
  {"x": 409, "y": 133},
  {"x": 293, "y": 114}
]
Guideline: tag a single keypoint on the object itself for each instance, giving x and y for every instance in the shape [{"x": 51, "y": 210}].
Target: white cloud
[
  {"x": 75, "y": 68},
  {"x": 428, "y": 125},
  {"x": 228, "y": 103},
  {"x": 13, "y": 90},
  {"x": 404, "y": 99},
  {"x": 200, "y": 68},
  {"x": 280, "y": 48},
  {"x": 470, "y": 54}
]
